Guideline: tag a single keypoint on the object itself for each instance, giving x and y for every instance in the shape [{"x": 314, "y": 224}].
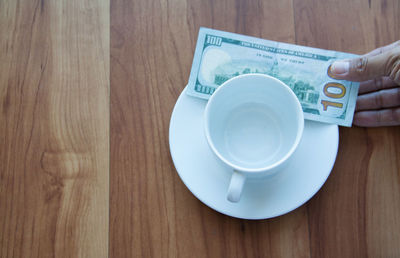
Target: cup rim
[{"x": 280, "y": 161}]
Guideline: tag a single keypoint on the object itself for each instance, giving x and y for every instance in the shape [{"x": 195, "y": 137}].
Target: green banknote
[{"x": 221, "y": 55}]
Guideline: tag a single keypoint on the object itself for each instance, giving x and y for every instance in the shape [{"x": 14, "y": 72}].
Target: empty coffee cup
[{"x": 253, "y": 124}]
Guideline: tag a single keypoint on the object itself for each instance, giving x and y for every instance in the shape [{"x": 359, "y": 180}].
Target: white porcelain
[
  {"x": 253, "y": 123},
  {"x": 208, "y": 178}
]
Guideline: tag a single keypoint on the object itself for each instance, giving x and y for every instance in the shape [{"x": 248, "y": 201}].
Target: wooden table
[{"x": 85, "y": 103}]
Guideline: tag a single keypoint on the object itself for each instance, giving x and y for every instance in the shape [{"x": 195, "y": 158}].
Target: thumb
[{"x": 366, "y": 67}]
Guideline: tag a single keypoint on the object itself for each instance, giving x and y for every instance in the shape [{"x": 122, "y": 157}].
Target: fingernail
[{"x": 340, "y": 67}]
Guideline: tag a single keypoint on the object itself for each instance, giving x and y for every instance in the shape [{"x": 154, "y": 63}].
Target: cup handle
[{"x": 236, "y": 186}]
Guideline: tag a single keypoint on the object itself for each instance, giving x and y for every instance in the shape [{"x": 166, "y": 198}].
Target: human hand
[{"x": 378, "y": 103}]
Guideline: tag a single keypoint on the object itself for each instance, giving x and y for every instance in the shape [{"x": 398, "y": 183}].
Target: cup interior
[{"x": 253, "y": 122}]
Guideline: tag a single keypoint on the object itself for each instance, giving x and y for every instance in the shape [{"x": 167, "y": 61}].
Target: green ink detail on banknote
[{"x": 220, "y": 56}]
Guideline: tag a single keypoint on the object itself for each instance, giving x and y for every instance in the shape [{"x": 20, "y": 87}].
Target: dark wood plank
[
  {"x": 54, "y": 133},
  {"x": 357, "y": 213},
  {"x": 152, "y": 214}
]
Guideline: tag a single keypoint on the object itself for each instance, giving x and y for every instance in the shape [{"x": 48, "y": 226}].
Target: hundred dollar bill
[{"x": 221, "y": 55}]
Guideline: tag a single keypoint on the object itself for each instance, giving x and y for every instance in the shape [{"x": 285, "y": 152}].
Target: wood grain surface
[
  {"x": 54, "y": 128},
  {"x": 356, "y": 214},
  {"x": 86, "y": 93},
  {"x": 152, "y": 214}
]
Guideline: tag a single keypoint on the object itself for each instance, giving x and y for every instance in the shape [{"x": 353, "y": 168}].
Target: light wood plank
[{"x": 54, "y": 128}]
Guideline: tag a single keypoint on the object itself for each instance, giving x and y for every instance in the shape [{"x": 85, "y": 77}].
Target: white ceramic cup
[{"x": 253, "y": 123}]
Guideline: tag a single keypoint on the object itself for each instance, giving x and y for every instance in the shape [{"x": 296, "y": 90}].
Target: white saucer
[{"x": 208, "y": 178}]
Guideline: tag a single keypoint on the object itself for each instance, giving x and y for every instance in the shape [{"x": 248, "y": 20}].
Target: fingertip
[
  {"x": 366, "y": 102},
  {"x": 340, "y": 68},
  {"x": 364, "y": 119},
  {"x": 356, "y": 122}
]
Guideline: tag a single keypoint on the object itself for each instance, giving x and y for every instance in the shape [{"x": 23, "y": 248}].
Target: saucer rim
[{"x": 274, "y": 215}]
